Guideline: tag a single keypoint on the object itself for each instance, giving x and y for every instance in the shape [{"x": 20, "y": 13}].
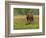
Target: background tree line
[{"x": 24, "y": 11}]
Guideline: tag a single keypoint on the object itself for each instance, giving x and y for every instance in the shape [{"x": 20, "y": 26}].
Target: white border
[{"x": 28, "y": 30}]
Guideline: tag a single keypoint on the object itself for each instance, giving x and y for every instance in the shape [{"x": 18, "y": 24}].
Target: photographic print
[{"x": 26, "y": 18}]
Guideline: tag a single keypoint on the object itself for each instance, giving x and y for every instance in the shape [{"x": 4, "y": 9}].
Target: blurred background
[{"x": 24, "y": 11}]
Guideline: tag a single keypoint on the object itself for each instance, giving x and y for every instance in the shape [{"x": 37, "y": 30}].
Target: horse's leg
[
  {"x": 31, "y": 18},
  {"x": 28, "y": 20}
]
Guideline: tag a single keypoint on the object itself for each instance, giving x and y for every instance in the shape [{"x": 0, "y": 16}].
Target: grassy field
[{"x": 20, "y": 22}]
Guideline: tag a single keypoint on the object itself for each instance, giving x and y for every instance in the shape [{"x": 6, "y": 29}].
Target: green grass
[{"x": 21, "y": 23}]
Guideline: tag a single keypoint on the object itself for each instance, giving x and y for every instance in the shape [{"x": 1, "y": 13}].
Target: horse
[{"x": 29, "y": 17}]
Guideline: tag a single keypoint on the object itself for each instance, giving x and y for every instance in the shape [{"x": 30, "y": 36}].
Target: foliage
[{"x": 24, "y": 11}]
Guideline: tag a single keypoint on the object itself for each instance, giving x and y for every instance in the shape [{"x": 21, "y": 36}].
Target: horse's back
[{"x": 29, "y": 15}]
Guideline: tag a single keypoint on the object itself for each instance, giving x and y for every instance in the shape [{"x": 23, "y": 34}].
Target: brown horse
[{"x": 29, "y": 17}]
